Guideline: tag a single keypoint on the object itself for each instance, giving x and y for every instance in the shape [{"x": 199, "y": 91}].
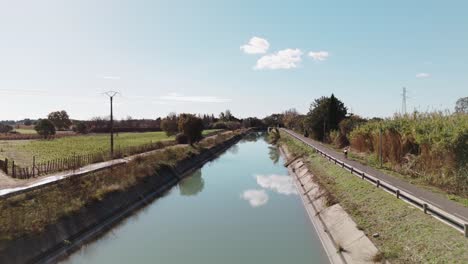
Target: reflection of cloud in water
[
  {"x": 192, "y": 185},
  {"x": 255, "y": 197},
  {"x": 280, "y": 184}
]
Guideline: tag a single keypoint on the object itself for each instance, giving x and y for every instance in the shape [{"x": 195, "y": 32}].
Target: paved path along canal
[
  {"x": 430, "y": 197},
  {"x": 240, "y": 208}
]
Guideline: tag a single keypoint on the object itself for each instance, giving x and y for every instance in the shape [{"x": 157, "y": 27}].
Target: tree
[
  {"x": 273, "y": 120},
  {"x": 81, "y": 128},
  {"x": 324, "y": 115},
  {"x": 462, "y": 105},
  {"x": 27, "y": 122},
  {"x": 191, "y": 126},
  {"x": 60, "y": 119},
  {"x": 45, "y": 128},
  {"x": 5, "y": 128},
  {"x": 169, "y": 124},
  {"x": 293, "y": 120}
]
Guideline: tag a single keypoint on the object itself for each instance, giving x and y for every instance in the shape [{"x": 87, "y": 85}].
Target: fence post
[
  {"x": 466, "y": 229},
  {"x": 398, "y": 194},
  {"x": 378, "y": 183},
  {"x": 34, "y": 166},
  {"x": 425, "y": 208},
  {"x": 6, "y": 166},
  {"x": 13, "y": 169}
]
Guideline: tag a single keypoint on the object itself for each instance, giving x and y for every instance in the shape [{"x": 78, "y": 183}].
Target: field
[
  {"x": 25, "y": 131},
  {"x": 22, "y": 151},
  {"x": 406, "y": 234}
]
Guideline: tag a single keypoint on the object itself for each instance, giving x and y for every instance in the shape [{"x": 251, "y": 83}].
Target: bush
[
  {"x": 45, "y": 128},
  {"x": 5, "y": 128},
  {"x": 181, "y": 138},
  {"x": 233, "y": 125},
  {"x": 191, "y": 126},
  {"x": 219, "y": 125},
  {"x": 81, "y": 128},
  {"x": 169, "y": 125}
]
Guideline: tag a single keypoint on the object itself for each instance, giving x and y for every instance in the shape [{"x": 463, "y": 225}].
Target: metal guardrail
[{"x": 426, "y": 207}]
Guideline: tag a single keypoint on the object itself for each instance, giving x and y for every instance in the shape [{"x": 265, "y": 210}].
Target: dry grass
[
  {"x": 407, "y": 235},
  {"x": 431, "y": 146}
]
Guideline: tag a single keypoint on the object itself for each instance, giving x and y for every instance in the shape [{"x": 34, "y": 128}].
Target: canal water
[{"x": 240, "y": 208}]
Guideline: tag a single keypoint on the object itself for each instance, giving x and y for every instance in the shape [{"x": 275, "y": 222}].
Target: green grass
[
  {"x": 22, "y": 151},
  {"x": 407, "y": 235},
  {"x": 25, "y": 131}
]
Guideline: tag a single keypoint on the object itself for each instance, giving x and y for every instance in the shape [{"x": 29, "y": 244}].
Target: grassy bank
[
  {"x": 32, "y": 212},
  {"x": 22, "y": 151},
  {"x": 406, "y": 234}
]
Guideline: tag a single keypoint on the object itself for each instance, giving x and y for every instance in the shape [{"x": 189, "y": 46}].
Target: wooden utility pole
[
  {"x": 380, "y": 148},
  {"x": 111, "y": 95}
]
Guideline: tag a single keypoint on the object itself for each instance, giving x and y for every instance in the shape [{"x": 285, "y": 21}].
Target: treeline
[
  {"x": 430, "y": 146},
  {"x": 60, "y": 121}
]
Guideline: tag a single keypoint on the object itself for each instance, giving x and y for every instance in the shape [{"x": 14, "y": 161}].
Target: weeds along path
[{"x": 434, "y": 199}]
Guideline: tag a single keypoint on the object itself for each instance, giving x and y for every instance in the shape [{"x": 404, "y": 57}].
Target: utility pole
[
  {"x": 111, "y": 95},
  {"x": 404, "y": 96},
  {"x": 380, "y": 148}
]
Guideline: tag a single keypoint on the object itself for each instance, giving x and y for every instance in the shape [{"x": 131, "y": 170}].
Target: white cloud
[
  {"x": 280, "y": 184},
  {"x": 196, "y": 99},
  {"x": 111, "y": 77},
  {"x": 256, "y": 45},
  {"x": 255, "y": 197},
  {"x": 319, "y": 55},
  {"x": 283, "y": 59},
  {"x": 423, "y": 75}
]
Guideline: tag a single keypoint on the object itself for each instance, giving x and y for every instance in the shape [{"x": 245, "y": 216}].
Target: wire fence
[{"x": 74, "y": 161}]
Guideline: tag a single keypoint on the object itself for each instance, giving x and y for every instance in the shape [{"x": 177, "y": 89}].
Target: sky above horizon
[{"x": 252, "y": 57}]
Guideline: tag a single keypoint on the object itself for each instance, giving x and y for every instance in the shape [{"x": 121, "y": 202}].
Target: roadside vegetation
[
  {"x": 432, "y": 147},
  {"x": 30, "y": 213},
  {"x": 427, "y": 149},
  {"x": 405, "y": 234}
]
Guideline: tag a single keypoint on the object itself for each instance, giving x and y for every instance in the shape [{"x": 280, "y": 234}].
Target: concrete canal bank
[{"x": 340, "y": 237}]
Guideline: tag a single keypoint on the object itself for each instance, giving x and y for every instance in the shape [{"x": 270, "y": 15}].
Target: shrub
[
  {"x": 81, "y": 128},
  {"x": 191, "y": 126},
  {"x": 169, "y": 124},
  {"x": 45, "y": 128},
  {"x": 5, "y": 128},
  {"x": 181, "y": 138}
]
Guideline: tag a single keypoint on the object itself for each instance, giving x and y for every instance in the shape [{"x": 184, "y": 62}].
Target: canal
[{"x": 240, "y": 208}]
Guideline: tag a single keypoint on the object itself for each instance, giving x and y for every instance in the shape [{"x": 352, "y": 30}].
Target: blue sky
[{"x": 186, "y": 56}]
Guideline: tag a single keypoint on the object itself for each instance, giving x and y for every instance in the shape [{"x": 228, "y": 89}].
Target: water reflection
[
  {"x": 274, "y": 154},
  {"x": 233, "y": 149},
  {"x": 277, "y": 183},
  {"x": 192, "y": 185},
  {"x": 255, "y": 198},
  {"x": 252, "y": 137}
]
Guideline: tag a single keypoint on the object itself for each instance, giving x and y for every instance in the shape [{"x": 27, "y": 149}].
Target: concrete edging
[{"x": 342, "y": 240}]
